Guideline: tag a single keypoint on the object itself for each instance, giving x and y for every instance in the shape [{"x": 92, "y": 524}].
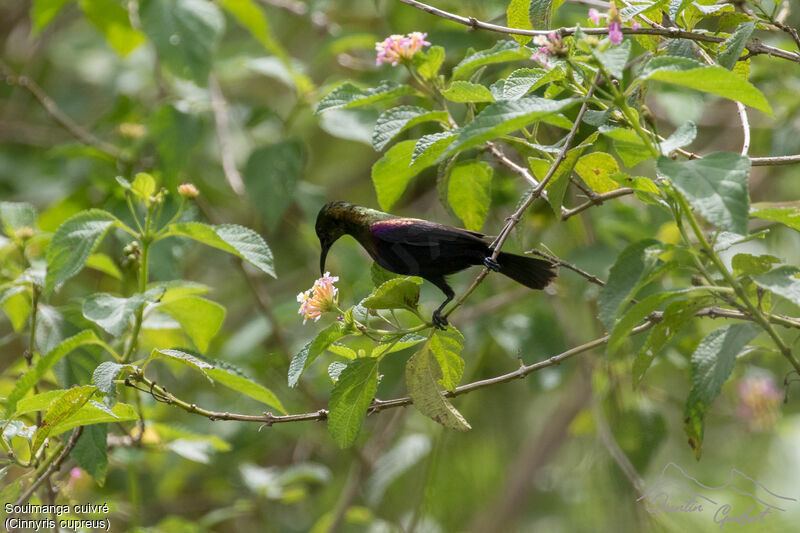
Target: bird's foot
[
  {"x": 491, "y": 264},
  {"x": 439, "y": 322}
]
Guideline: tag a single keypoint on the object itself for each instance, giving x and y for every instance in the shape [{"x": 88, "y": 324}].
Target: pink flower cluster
[
  {"x": 759, "y": 401},
  {"x": 552, "y": 45},
  {"x": 398, "y": 48},
  {"x": 320, "y": 298},
  {"x": 614, "y": 24}
]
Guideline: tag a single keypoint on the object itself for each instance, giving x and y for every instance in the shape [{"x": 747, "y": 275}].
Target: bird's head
[{"x": 331, "y": 224}]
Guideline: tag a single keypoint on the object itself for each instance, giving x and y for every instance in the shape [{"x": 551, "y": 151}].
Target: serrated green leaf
[
  {"x": 348, "y": 95},
  {"x": 234, "y": 239},
  {"x": 91, "y": 452},
  {"x": 752, "y": 265},
  {"x": 111, "y": 313},
  {"x": 431, "y": 147},
  {"x": 501, "y": 118},
  {"x": 635, "y": 315},
  {"x": 60, "y": 410},
  {"x": 540, "y": 11},
  {"x": 470, "y": 192},
  {"x": 398, "y": 119},
  {"x": 406, "y": 341},
  {"x": 788, "y": 216},
  {"x": 350, "y": 399},
  {"x": 246, "y": 387},
  {"x": 114, "y": 22},
  {"x": 518, "y": 16},
  {"x": 784, "y": 281},
  {"x": 465, "y": 91},
  {"x": 45, "y": 363},
  {"x": 103, "y": 263},
  {"x": 186, "y": 34},
  {"x": 501, "y": 52},
  {"x": 710, "y": 79},
  {"x": 733, "y": 45},
  {"x": 391, "y": 173},
  {"x": 596, "y": 169},
  {"x": 38, "y": 402},
  {"x": 312, "y": 350},
  {"x": 624, "y": 278},
  {"x": 185, "y": 358},
  {"x": 711, "y": 364},
  {"x": 446, "y": 345},
  {"x": 104, "y": 375},
  {"x": 335, "y": 370},
  {"x": 271, "y": 176},
  {"x": 380, "y": 275},
  {"x": 201, "y": 319},
  {"x": 96, "y": 413},
  {"x": 524, "y": 80},
  {"x": 422, "y": 380},
  {"x": 614, "y": 58},
  {"x": 397, "y": 293},
  {"x": 716, "y": 186},
  {"x": 73, "y": 242},
  {"x": 428, "y": 64},
  {"x": 683, "y": 136}
]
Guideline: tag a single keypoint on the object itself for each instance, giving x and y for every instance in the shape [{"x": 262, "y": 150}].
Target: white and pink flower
[{"x": 400, "y": 48}]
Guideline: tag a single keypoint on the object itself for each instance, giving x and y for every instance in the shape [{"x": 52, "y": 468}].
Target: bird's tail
[{"x": 530, "y": 271}]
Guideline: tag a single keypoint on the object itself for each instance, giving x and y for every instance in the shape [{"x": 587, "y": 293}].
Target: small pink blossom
[
  {"x": 759, "y": 401},
  {"x": 399, "y": 48},
  {"x": 595, "y": 16},
  {"x": 76, "y": 473},
  {"x": 615, "y": 32},
  {"x": 636, "y": 26},
  {"x": 551, "y": 45},
  {"x": 319, "y": 299}
]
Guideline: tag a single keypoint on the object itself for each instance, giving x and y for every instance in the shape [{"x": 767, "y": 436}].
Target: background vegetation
[{"x": 239, "y": 98}]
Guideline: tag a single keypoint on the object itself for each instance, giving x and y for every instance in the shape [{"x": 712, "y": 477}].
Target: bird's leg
[
  {"x": 437, "y": 319},
  {"x": 490, "y": 263}
]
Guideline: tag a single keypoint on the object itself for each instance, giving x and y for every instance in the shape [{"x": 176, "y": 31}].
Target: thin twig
[
  {"x": 597, "y": 200},
  {"x": 755, "y": 47},
  {"x": 745, "y": 127},
  {"x": 557, "y": 260},
  {"x": 52, "y": 109},
  {"x": 54, "y": 466}
]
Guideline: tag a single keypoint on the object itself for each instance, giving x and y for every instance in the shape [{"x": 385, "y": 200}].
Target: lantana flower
[
  {"x": 759, "y": 402},
  {"x": 549, "y": 46},
  {"x": 614, "y": 22},
  {"x": 400, "y": 48},
  {"x": 321, "y": 298}
]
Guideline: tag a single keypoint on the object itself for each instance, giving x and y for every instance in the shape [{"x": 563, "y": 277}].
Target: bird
[{"x": 416, "y": 247}]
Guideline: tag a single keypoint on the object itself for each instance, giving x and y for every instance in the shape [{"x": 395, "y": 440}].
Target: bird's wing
[{"x": 416, "y": 232}]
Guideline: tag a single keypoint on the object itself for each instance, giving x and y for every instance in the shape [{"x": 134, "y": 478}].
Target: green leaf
[
  {"x": 398, "y": 119},
  {"x": 470, "y": 192},
  {"x": 271, "y": 176},
  {"x": 246, "y": 387},
  {"x": 518, "y": 16},
  {"x": 185, "y": 358},
  {"x": 596, "y": 169},
  {"x": 114, "y": 22},
  {"x": 112, "y": 313},
  {"x": 391, "y": 173},
  {"x": 501, "y": 118},
  {"x": 446, "y": 345},
  {"x": 350, "y": 399},
  {"x": 38, "y": 402},
  {"x": 711, "y": 364},
  {"x": 716, "y": 186},
  {"x": 335, "y": 370},
  {"x": 635, "y": 315},
  {"x": 428, "y": 64},
  {"x": 103, "y": 263},
  {"x": 624, "y": 278},
  {"x": 751, "y": 265},
  {"x": 431, "y": 147},
  {"x": 16, "y": 215},
  {"x": 557, "y": 186},
  {"x": 710, "y": 79},
  {"x": 683, "y": 136},
  {"x": 501, "y": 52},
  {"x": 95, "y": 413},
  {"x": 464, "y": 91},
  {"x": 237, "y": 240},
  {"x": 201, "y": 319},
  {"x": 676, "y": 316},
  {"x": 144, "y": 186},
  {"x": 540, "y": 11},
  {"x": 614, "y": 58},
  {"x": 60, "y": 410},
  {"x": 43, "y": 11},
  {"x": 380, "y": 275},
  {"x": 422, "y": 380},
  {"x": 524, "y": 80},
  {"x": 312, "y": 350},
  {"x": 186, "y": 34},
  {"x": 788, "y": 216},
  {"x": 16, "y": 303},
  {"x": 104, "y": 375},
  {"x": 783, "y": 281},
  {"x": 348, "y": 95},
  {"x": 73, "y": 242},
  {"x": 176, "y": 135},
  {"x": 390, "y": 346},
  {"x": 733, "y": 46},
  {"x": 32, "y": 376},
  {"x": 396, "y": 293},
  {"x": 676, "y": 6},
  {"x": 91, "y": 452}
]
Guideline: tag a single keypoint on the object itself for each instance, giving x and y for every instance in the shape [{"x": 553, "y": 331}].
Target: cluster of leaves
[
  {"x": 468, "y": 108},
  {"x": 37, "y": 264}
]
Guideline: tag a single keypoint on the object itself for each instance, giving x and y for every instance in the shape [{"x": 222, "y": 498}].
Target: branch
[
  {"x": 52, "y": 109},
  {"x": 53, "y": 467},
  {"x": 596, "y": 200},
  {"x": 755, "y": 47}
]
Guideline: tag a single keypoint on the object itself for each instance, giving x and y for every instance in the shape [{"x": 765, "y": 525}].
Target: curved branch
[{"x": 755, "y": 47}]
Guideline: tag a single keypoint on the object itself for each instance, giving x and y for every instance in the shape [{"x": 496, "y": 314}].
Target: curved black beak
[{"x": 323, "y": 254}]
